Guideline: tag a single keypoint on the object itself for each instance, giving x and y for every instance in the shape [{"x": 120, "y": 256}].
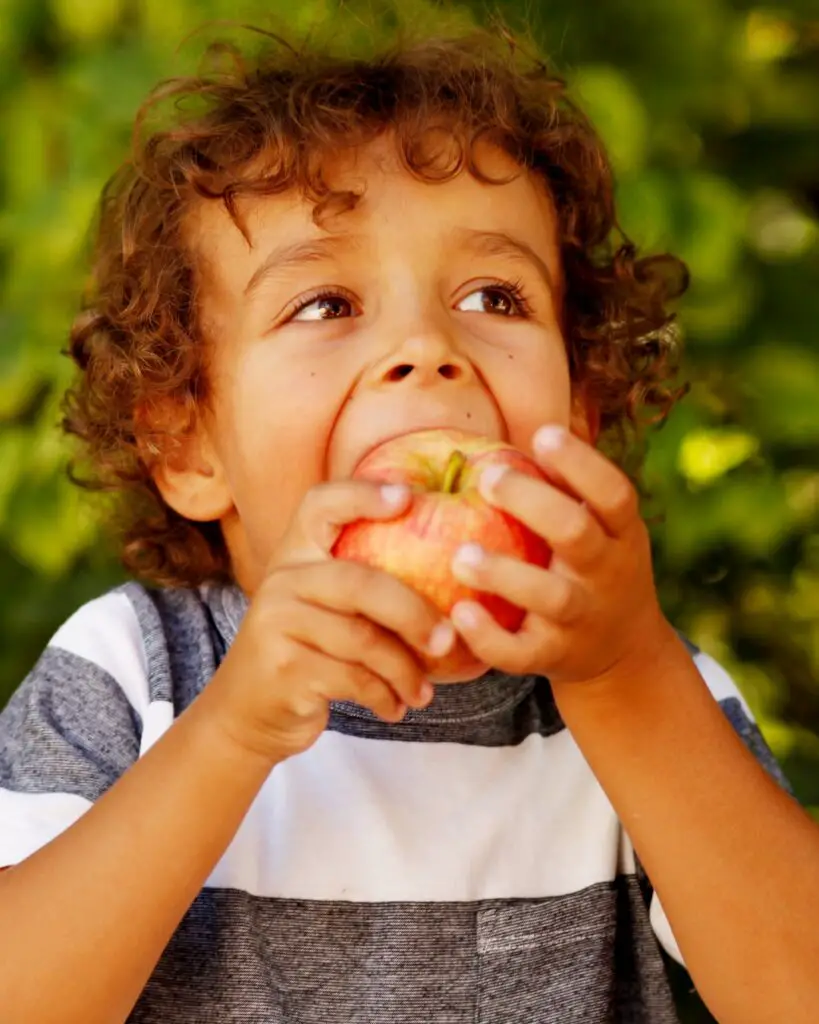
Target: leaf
[
  {"x": 616, "y": 111},
  {"x": 706, "y": 455}
]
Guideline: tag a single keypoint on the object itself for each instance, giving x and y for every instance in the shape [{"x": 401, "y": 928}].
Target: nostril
[
  {"x": 449, "y": 371},
  {"x": 399, "y": 372}
]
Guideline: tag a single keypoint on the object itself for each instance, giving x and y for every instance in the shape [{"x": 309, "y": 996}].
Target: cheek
[
  {"x": 531, "y": 386},
  {"x": 281, "y": 417}
]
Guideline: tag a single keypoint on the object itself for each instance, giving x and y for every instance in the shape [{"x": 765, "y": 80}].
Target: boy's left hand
[{"x": 595, "y": 608}]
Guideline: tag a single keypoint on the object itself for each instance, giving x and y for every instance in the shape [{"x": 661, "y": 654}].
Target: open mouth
[{"x": 456, "y": 432}]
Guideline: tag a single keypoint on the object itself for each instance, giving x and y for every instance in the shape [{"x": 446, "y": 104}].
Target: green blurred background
[{"x": 710, "y": 109}]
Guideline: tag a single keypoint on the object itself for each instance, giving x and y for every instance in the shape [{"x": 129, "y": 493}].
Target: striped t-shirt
[{"x": 461, "y": 867}]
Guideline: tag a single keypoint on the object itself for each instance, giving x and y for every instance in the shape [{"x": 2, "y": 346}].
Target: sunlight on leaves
[{"x": 706, "y": 455}]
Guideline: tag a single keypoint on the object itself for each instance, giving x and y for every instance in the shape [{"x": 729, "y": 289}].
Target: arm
[
  {"x": 110, "y": 891},
  {"x": 84, "y": 920},
  {"x": 733, "y": 858}
]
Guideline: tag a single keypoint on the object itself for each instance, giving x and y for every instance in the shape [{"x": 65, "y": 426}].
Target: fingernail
[
  {"x": 549, "y": 438},
  {"x": 490, "y": 478},
  {"x": 465, "y": 615},
  {"x": 468, "y": 557},
  {"x": 425, "y": 694},
  {"x": 441, "y": 639},
  {"x": 394, "y": 495}
]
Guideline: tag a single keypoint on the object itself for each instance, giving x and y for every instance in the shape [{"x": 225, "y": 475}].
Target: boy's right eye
[{"x": 324, "y": 305}]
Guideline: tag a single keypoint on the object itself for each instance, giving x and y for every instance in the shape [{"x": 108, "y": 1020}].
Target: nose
[{"x": 423, "y": 360}]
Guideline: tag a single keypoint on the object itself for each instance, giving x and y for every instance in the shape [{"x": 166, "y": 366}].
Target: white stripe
[
  {"x": 372, "y": 820},
  {"x": 106, "y": 632},
  {"x": 158, "y": 719},
  {"x": 662, "y": 929},
  {"x": 721, "y": 685},
  {"x": 30, "y": 820}
]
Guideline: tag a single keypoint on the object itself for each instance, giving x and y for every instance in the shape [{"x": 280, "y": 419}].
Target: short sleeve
[
  {"x": 734, "y": 707},
  {"x": 73, "y": 727}
]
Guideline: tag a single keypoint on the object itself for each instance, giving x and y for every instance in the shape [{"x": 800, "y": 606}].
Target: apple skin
[{"x": 418, "y": 545}]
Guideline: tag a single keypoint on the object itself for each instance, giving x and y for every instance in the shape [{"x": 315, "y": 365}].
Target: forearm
[
  {"x": 733, "y": 858},
  {"x": 84, "y": 920}
]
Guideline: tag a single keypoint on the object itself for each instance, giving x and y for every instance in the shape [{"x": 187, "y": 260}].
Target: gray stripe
[
  {"x": 493, "y": 711},
  {"x": 753, "y": 739},
  {"x": 179, "y": 642},
  {"x": 518, "y": 707},
  {"x": 50, "y": 743},
  {"x": 589, "y": 956},
  {"x": 690, "y": 646}
]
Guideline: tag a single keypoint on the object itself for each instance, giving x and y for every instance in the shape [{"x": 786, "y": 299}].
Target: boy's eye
[
  {"x": 324, "y": 307},
  {"x": 502, "y": 300}
]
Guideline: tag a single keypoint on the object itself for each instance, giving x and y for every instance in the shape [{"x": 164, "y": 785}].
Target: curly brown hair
[{"x": 262, "y": 126}]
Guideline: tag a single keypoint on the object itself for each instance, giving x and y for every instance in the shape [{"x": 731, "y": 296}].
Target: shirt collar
[{"x": 491, "y": 694}]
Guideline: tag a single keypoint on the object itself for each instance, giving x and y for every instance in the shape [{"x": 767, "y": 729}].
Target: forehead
[{"x": 390, "y": 204}]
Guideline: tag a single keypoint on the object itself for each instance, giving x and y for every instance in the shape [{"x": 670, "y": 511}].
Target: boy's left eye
[
  {"x": 501, "y": 300},
  {"x": 326, "y": 306}
]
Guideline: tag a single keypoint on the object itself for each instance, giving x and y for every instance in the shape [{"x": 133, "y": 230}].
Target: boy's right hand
[{"x": 320, "y": 629}]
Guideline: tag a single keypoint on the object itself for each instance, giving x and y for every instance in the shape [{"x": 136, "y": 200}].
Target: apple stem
[{"x": 457, "y": 461}]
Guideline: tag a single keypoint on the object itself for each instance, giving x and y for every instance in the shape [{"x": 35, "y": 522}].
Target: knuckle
[
  {"x": 365, "y": 633},
  {"x": 562, "y": 594},
  {"x": 304, "y": 703},
  {"x": 515, "y": 662},
  {"x": 268, "y": 597},
  {"x": 312, "y": 501},
  {"x": 405, "y": 672},
  {"x": 576, "y": 527},
  {"x": 352, "y": 574},
  {"x": 347, "y": 578},
  {"x": 622, "y": 497},
  {"x": 373, "y": 693},
  {"x": 406, "y": 602},
  {"x": 284, "y": 657}
]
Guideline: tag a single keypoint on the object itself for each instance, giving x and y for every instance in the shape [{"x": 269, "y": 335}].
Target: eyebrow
[
  {"x": 499, "y": 243},
  {"x": 314, "y": 250},
  {"x": 295, "y": 254}
]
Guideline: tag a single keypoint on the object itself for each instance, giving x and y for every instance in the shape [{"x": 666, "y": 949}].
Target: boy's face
[{"x": 414, "y": 326}]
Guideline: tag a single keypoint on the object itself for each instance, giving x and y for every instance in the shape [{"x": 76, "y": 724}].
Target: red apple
[{"x": 443, "y": 468}]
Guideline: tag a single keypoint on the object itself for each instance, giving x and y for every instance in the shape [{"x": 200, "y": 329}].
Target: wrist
[
  {"x": 217, "y": 727},
  {"x": 647, "y": 660}
]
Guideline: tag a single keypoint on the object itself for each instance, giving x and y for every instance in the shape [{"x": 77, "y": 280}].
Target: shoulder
[
  {"x": 131, "y": 636},
  {"x": 106, "y": 633}
]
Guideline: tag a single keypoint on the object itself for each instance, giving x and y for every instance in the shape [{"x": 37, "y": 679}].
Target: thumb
[{"x": 327, "y": 508}]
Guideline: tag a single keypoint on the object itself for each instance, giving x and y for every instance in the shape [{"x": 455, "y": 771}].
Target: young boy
[{"x": 236, "y": 797}]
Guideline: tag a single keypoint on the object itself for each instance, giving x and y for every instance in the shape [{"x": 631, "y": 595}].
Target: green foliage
[{"x": 711, "y": 112}]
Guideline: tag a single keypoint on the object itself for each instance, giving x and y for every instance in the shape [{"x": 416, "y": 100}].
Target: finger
[
  {"x": 516, "y": 653},
  {"x": 528, "y": 586},
  {"x": 334, "y": 680},
  {"x": 566, "y": 525},
  {"x": 354, "y": 639},
  {"x": 358, "y": 685},
  {"x": 357, "y": 589},
  {"x": 595, "y": 479},
  {"x": 328, "y": 507}
]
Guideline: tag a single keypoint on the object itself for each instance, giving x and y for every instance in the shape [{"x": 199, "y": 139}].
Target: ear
[
  {"x": 188, "y": 471},
  {"x": 585, "y": 417}
]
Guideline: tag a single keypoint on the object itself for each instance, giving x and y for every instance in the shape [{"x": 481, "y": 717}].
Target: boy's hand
[
  {"x": 595, "y": 608},
  {"x": 321, "y": 630}
]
